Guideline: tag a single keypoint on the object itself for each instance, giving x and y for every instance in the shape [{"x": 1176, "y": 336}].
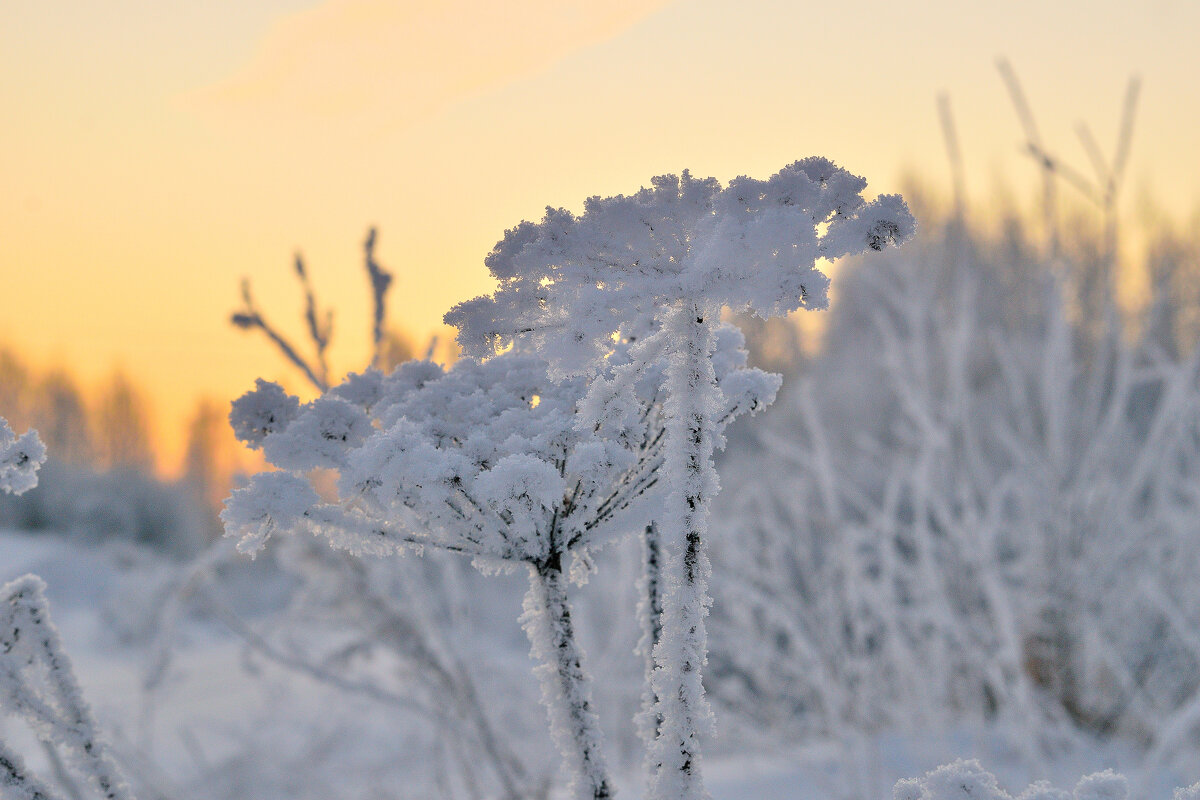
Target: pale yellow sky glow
[{"x": 154, "y": 153}]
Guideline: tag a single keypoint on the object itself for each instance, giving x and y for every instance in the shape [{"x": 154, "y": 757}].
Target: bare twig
[
  {"x": 381, "y": 280},
  {"x": 954, "y": 155},
  {"x": 250, "y": 317},
  {"x": 1125, "y": 138},
  {"x": 319, "y": 331},
  {"x": 1033, "y": 139}
]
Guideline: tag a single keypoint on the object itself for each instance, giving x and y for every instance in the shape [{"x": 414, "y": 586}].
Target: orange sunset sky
[{"x": 152, "y": 153}]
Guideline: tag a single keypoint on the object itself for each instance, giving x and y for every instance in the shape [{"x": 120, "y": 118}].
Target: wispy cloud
[{"x": 385, "y": 64}]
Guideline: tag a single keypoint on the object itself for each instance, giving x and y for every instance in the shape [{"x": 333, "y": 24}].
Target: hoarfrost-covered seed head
[
  {"x": 263, "y": 411},
  {"x": 320, "y": 436},
  {"x": 273, "y": 501},
  {"x": 363, "y": 390},
  {"x": 569, "y": 282},
  {"x": 963, "y": 780},
  {"x": 20, "y": 459},
  {"x": 1106, "y": 785}
]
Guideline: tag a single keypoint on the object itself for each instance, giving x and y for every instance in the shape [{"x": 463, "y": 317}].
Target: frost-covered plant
[
  {"x": 487, "y": 460},
  {"x": 968, "y": 511},
  {"x": 671, "y": 257},
  {"x": 968, "y": 780},
  {"x": 38, "y": 685},
  {"x": 20, "y": 457}
]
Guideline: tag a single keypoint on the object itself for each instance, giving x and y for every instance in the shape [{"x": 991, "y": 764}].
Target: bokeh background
[{"x": 153, "y": 154}]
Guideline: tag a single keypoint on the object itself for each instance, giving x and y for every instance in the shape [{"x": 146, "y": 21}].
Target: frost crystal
[
  {"x": 264, "y": 411},
  {"x": 20, "y": 458},
  {"x": 570, "y": 281}
]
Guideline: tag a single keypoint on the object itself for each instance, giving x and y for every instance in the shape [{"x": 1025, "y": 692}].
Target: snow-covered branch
[{"x": 38, "y": 685}]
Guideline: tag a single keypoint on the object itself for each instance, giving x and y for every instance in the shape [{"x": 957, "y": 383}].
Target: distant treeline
[{"x": 103, "y": 478}]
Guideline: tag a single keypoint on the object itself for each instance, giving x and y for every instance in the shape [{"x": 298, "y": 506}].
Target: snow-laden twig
[{"x": 38, "y": 685}]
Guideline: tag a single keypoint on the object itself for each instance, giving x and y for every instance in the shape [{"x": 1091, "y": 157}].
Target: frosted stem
[
  {"x": 650, "y": 617},
  {"x": 691, "y": 400},
  {"x": 18, "y": 783},
  {"x": 566, "y": 686}
]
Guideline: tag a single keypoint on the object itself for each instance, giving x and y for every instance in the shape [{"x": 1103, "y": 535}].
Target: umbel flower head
[
  {"x": 488, "y": 459},
  {"x": 569, "y": 282}
]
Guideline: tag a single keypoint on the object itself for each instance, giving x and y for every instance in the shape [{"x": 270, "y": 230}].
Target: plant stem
[
  {"x": 650, "y": 616},
  {"x": 566, "y": 686},
  {"x": 692, "y": 401}
]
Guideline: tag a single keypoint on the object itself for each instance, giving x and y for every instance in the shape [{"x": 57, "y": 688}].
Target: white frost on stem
[
  {"x": 17, "y": 783},
  {"x": 693, "y": 400},
  {"x": 566, "y": 685},
  {"x": 650, "y": 619}
]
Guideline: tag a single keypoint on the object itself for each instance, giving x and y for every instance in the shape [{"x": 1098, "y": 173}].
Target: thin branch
[
  {"x": 251, "y": 317},
  {"x": 1125, "y": 137},
  {"x": 318, "y": 332},
  {"x": 1020, "y": 103},
  {"x": 954, "y": 155},
  {"x": 296, "y": 664},
  {"x": 1054, "y": 166},
  {"x": 1103, "y": 176},
  {"x": 381, "y": 280}
]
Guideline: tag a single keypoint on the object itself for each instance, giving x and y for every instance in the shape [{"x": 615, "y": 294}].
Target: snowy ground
[{"x": 193, "y": 722}]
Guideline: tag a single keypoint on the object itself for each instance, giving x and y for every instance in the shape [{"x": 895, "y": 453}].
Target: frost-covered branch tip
[
  {"x": 381, "y": 281},
  {"x": 20, "y": 458},
  {"x": 38, "y": 685}
]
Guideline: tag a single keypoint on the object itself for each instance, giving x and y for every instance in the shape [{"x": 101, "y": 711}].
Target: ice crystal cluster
[
  {"x": 606, "y": 377},
  {"x": 486, "y": 459},
  {"x": 570, "y": 281},
  {"x": 20, "y": 457}
]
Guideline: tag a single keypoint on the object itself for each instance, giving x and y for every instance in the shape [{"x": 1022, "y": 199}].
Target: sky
[{"x": 153, "y": 154}]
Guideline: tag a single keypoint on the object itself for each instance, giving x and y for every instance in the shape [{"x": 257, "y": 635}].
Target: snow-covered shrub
[
  {"x": 968, "y": 780},
  {"x": 38, "y": 685},
  {"x": 486, "y": 460},
  {"x": 667, "y": 260},
  {"x": 20, "y": 457},
  {"x": 969, "y": 509}
]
